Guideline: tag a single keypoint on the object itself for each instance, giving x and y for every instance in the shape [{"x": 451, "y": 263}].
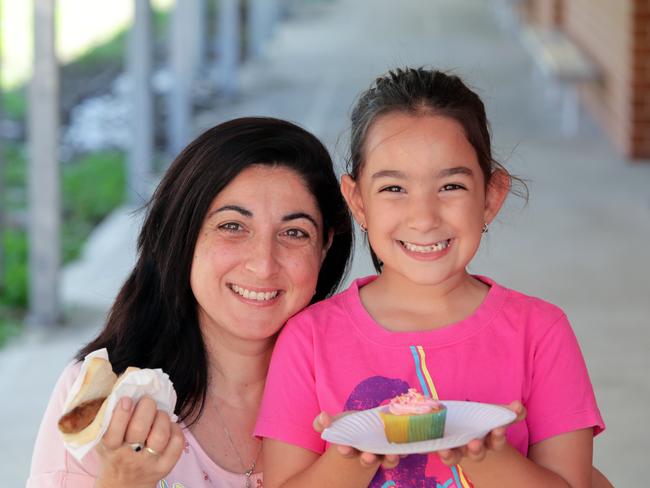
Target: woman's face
[{"x": 258, "y": 254}]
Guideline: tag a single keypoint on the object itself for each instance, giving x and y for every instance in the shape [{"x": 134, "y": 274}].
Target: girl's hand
[
  {"x": 476, "y": 449},
  {"x": 162, "y": 439},
  {"x": 367, "y": 459}
]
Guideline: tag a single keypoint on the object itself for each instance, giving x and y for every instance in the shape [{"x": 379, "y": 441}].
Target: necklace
[{"x": 247, "y": 472}]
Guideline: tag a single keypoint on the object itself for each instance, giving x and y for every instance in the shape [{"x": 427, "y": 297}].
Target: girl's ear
[
  {"x": 496, "y": 193},
  {"x": 352, "y": 194}
]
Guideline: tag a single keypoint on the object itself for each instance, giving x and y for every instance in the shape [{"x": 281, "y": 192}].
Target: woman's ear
[
  {"x": 496, "y": 192},
  {"x": 352, "y": 194}
]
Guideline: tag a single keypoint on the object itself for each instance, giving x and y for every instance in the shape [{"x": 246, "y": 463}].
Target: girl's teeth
[
  {"x": 252, "y": 295},
  {"x": 438, "y": 246}
]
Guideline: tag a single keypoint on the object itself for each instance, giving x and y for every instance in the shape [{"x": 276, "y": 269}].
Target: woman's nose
[{"x": 262, "y": 259}]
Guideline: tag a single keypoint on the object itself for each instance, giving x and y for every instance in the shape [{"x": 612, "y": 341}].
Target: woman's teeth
[
  {"x": 438, "y": 246},
  {"x": 261, "y": 296}
]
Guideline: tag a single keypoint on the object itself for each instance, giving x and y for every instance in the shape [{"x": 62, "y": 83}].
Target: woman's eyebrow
[
  {"x": 300, "y": 215},
  {"x": 234, "y": 208}
]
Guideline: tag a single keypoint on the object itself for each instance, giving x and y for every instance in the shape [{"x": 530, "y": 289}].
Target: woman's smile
[{"x": 256, "y": 295}]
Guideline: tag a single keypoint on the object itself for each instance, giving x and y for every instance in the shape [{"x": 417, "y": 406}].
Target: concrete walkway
[{"x": 581, "y": 242}]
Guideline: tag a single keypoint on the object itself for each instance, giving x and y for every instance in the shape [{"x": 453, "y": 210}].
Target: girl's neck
[{"x": 398, "y": 304}]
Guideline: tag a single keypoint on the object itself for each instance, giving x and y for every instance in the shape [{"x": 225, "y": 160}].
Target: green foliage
[
  {"x": 14, "y": 103},
  {"x": 14, "y": 292},
  {"x": 92, "y": 187}
]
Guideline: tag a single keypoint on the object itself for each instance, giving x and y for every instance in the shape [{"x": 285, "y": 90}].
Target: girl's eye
[
  {"x": 452, "y": 186},
  {"x": 392, "y": 189},
  {"x": 296, "y": 234},
  {"x": 231, "y": 227}
]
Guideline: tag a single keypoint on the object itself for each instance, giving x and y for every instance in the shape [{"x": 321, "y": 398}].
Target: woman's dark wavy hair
[
  {"x": 424, "y": 91},
  {"x": 153, "y": 322}
]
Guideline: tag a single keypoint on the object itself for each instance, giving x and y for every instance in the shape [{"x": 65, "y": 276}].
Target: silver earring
[
  {"x": 485, "y": 228},
  {"x": 364, "y": 229}
]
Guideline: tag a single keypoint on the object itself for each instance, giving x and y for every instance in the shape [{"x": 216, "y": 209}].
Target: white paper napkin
[{"x": 151, "y": 382}]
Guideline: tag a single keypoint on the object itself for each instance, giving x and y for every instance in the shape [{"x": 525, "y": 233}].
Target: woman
[{"x": 246, "y": 228}]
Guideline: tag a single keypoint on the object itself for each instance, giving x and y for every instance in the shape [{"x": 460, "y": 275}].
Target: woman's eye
[
  {"x": 452, "y": 186},
  {"x": 392, "y": 189},
  {"x": 231, "y": 227},
  {"x": 296, "y": 234}
]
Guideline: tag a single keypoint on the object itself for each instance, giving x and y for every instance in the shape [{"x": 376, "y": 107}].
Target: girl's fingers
[
  {"x": 346, "y": 451},
  {"x": 368, "y": 459},
  {"x": 141, "y": 421},
  {"x": 114, "y": 436},
  {"x": 322, "y": 421},
  {"x": 518, "y": 408},
  {"x": 390, "y": 461},
  {"x": 475, "y": 450}
]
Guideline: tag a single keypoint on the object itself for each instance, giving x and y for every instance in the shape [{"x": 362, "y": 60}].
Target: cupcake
[{"x": 412, "y": 417}]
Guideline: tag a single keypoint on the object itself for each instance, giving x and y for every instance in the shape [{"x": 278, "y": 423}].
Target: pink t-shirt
[
  {"x": 54, "y": 467},
  {"x": 334, "y": 357}
]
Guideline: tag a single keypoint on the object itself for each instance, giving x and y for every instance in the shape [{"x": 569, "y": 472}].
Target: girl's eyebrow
[
  {"x": 456, "y": 170},
  {"x": 391, "y": 173},
  {"x": 248, "y": 213},
  {"x": 388, "y": 173}
]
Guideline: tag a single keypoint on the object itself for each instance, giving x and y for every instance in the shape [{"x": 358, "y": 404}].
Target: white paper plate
[{"x": 465, "y": 421}]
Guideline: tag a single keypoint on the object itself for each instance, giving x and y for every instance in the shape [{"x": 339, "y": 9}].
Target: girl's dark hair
[
  {"x": 426, "y": 92},
  {"x": 153, "y": 322}
]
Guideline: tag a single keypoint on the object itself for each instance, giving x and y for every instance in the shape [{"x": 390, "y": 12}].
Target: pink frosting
[{"x": 413, "y": 402}]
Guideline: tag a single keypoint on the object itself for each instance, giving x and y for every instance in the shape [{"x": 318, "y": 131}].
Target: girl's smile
[{"x": 426, "y": 251}]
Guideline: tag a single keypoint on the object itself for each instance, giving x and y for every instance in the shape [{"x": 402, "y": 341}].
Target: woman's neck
[
  {"x": 399, "y": 304},
  {"x": 237, "y": 368}
]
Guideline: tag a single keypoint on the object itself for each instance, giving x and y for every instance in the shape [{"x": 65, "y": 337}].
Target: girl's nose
[
  {"x": 262, "y": 259},
  {"x": 422, "y": 214}
]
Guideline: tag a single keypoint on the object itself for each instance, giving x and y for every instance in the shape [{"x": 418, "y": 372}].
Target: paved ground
[{"x": 581, "y": 241}]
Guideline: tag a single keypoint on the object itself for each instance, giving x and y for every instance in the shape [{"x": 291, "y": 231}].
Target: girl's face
[
  {"x": 421, "y": 193},
  {"x": 258, "y": 254}
]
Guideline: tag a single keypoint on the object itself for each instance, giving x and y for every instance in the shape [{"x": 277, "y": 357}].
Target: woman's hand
[
  {"x": 161, "y": 439},
  {"x": 367, "y": 459},
  {"x": 476, "y": 449}
]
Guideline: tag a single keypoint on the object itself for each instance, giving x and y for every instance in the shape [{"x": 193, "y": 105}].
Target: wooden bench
[{"x": 561, "y": 61}]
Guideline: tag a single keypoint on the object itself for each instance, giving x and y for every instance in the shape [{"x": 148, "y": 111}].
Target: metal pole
[
  {"x": 229, "y": 40},
  {"x": 44, "y": 193},
  {"x": 140, "y": 67}
]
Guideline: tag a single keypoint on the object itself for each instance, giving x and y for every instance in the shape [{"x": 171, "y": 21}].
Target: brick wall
[{"x": 616, "y": 35}]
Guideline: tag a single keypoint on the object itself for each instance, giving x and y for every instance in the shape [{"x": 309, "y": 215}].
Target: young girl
[{"x": 425, "y": 188}]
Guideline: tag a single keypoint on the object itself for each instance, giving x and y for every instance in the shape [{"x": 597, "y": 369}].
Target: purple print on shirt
[{"x": 410, "y": 472}]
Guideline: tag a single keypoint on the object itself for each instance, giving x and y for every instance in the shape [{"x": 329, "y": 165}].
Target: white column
[
  {"x": 140, "y": 67},
  {"x": 182, "y": 65},
  {"x": 44, "y": 192},
  {"x": 2, "y": 189},
  {"x": 229, "y": 44}
]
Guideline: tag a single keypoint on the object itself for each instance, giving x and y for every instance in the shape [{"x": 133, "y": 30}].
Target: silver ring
[
  {"x": 150, "y": 451},
  {"x": 136, "y": 446}
]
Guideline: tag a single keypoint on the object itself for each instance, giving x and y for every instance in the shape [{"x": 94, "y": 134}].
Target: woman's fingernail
[{"x": 126, "y": 403}]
